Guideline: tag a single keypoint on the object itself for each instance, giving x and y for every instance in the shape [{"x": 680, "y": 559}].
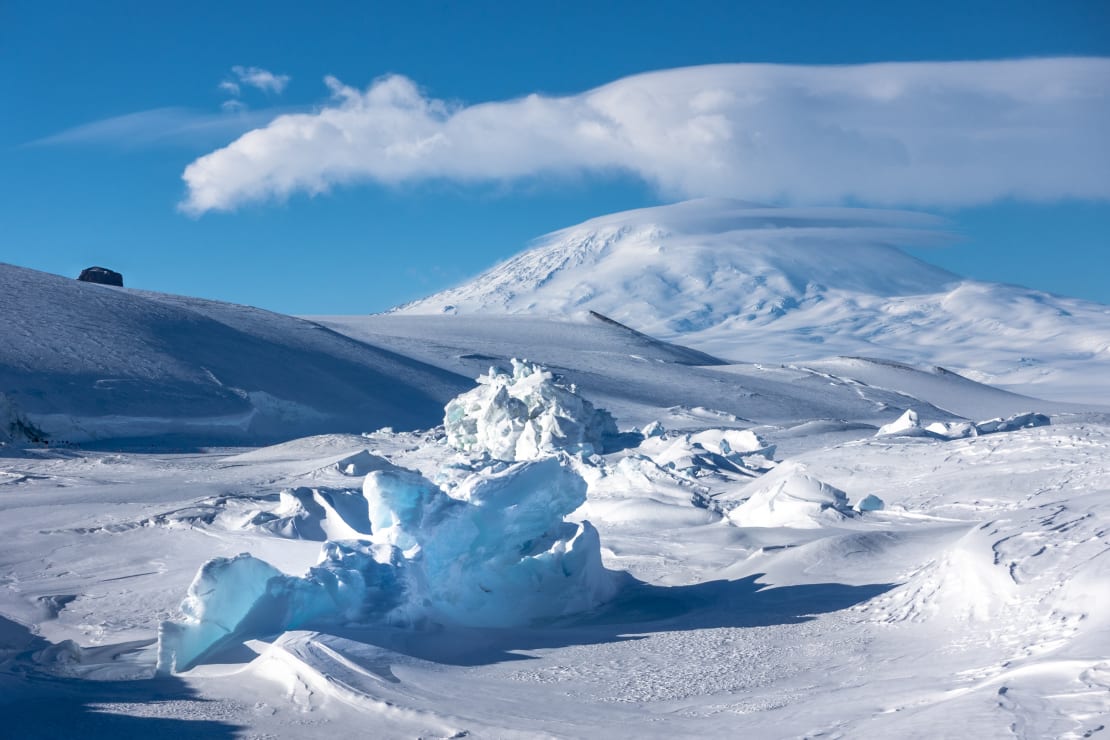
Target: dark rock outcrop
[{"x": 101, "y": 275}]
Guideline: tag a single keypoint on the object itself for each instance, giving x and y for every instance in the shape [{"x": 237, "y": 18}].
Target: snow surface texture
[
  {"x": 525, "y": 415},
  {"x": 972, "y": 603},
  {"x": 85, "y": 361},
  {"x": 749, "y": 282},
  {"x": 495, "y": 552}
]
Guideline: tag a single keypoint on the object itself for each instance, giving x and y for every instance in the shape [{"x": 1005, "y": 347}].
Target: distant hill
[{"x": 86, "y": 361}]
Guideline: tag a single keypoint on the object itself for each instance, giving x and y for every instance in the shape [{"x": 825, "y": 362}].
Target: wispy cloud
[
  {"x": 901, "y": 133},
  {"x": 262, "y": 79},
  {"x": 163, "y": 126}
]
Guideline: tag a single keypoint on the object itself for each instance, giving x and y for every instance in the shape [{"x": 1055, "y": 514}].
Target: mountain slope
[
  {"x": 773, "y": 284},
  {"x": 85, "y": 361}
]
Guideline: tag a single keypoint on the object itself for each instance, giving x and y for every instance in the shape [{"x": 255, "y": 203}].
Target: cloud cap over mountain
[{"x": 922, "y": 133}]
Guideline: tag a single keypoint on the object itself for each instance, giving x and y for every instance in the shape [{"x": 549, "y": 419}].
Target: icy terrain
[
  {"x": 618, "y": 536},
  {"x": 748, "y": 282}
]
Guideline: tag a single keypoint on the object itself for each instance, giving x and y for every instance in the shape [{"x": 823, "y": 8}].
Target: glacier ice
[
  {"x": 498, "y": 552},
  {"x": 524, "y": 415},
  {"x": 870, "y": 502}
]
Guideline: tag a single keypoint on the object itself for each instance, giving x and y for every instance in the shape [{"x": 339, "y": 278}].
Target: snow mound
[
  {"x": 790, "y": 497},
  {"x": 316, "y": 514},
  {"x": 497, "y": 553},
  {"x": 525, "y": 415}
]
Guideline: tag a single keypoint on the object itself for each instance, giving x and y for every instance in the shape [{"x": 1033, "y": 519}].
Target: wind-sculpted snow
[
  {"x": 496, "y": 552},
  {"x": 525, "y": 415},
  {"x": 790, "y": 497}
]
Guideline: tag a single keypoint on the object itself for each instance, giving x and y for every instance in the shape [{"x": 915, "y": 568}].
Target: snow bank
[
  {"x": 498, "y": 552},
  {"x": 790, "y": 497},
  {"x": 525, "y": 415}
]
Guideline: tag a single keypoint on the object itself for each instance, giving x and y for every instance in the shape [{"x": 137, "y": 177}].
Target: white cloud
[
  {"x": 161, "y": 127},
  {"x": 263, "y": 79},
  {"x": 931, "y": 133},
  {"x": 231, "y": 88}
]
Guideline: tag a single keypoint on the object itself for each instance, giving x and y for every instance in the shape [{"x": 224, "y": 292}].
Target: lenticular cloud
[{"x": 910, "y": 133}]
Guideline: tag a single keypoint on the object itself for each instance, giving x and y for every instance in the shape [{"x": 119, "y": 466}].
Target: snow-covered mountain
[
  {"x": 84, "y": 361},
  {"x": 771, "y": 284}
]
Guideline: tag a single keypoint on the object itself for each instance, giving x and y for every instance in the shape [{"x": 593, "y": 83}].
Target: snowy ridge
[
  {"x": 84, "y": 361},
  {"x": 790, "y": 284}
]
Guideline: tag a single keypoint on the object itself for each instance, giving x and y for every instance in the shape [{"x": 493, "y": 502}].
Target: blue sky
[{"x": 106, "y": 105}]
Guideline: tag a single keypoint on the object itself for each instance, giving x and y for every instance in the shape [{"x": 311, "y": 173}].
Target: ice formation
[
  {"x": 710, "y": 451},
  {"x": 525, "y": 415},
  {"x": 496, "y": 553},
  {"x": 1024, "y": 420},
  {"x": 870, "y": 502},
  {"x": 790, "y": 497},
  {"x": 906, "y": 425},
  {"x": 909, "y": 425}
]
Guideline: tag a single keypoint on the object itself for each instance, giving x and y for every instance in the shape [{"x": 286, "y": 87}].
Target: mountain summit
[
  {"x": 745, "y": 281},
  {"x": 702, "y": 263}
]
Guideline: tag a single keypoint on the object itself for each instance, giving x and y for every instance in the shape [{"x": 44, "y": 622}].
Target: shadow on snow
[
  {"x": 638, "y": 610},
  {"x": 37, "y": 704}
]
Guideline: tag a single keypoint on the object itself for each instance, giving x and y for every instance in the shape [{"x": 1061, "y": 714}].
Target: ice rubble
[
  {"x": 909, "y": 425},
  {"x": 495, "y": 551},
  {"x": 709, "y": 451},
  {"x": 485, "y": 540},
  {"x": 525, "y": 415}
]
